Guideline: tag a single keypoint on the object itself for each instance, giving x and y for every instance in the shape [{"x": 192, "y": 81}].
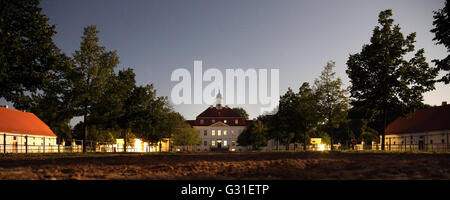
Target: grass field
[{"x": 248, "y": 165}]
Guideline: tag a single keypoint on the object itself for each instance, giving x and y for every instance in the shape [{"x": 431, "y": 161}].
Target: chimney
[{"x": 444, "y": 103}]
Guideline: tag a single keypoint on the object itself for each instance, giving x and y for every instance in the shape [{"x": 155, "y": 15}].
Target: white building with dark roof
[{"x": 219, "y": 127}]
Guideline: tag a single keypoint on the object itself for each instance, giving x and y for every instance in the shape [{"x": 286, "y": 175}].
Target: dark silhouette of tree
[
  {"x": 254, "y": 135},
  {"x": 442, "y": 36},
  {"x": 331, "y": 100},
  {"x": 27, "y": 52},
  {"x": 94, "y": 66},
  {"x": 385, "y": 84},
  {"x": 241, "y": 112}
]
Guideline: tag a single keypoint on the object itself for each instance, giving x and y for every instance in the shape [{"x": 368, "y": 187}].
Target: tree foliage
[
  {"x": 254, "y": 136},
  {"x": 27, "y": 52},
  {"x": 332, "y": 102},
  {"x": 241, "y": 112},
  {"x": 384, "y": 83},
  {"x": 441, "y": 32},
  {"x": 93, "y": 66}
]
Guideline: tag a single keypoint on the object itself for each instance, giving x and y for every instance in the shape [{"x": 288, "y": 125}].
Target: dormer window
[{"x": 236, "y": 122}]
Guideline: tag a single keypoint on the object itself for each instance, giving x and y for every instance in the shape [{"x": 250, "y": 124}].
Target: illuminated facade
[
  {"x": 427, "y": 129},
  {"x": 24, "y": 132},
  {"x": 219, "y": 127}
]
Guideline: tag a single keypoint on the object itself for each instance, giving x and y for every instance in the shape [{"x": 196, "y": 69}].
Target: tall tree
[
  {"x": 307, "y": 111},
  {"x": 384, "y": 83},
  {"x": 331, "y": 100},
  {"x": 442, "y": 36},
  {"x": 27, "y": 52},
  {"x": 288, "y": 117},
  {"x": 94, "y": 65}
]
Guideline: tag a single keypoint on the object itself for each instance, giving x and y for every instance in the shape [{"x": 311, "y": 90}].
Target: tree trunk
[
  {"x": 304, "y": 142},
  {"x": 383, "y": 134},
  {"x": 125, "y": 133},
  {"x": 85, "y": 132},
  {"x": 160, "y": 145},
  {"x": 331, "y": 138}
]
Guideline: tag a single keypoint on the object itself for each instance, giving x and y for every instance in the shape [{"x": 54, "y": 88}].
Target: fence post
[
  {"x": 4, "y": 142},
  {"x": 26, "y": 143},
  {"x": 44, "y": 144}
]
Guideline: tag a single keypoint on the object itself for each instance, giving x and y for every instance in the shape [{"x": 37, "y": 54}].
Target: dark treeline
[
  {"x": 36, "y": 76},
  {"x": 384, "y": 85}
]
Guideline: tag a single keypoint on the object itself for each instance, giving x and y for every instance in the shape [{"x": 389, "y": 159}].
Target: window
[
  {"x": 205, "y": 143},
  {"x": 431, "y": 141},
  {"x": 225, "y": 132},
  {"x": 213, "y": 132},
  {"x": 225, "y": 121},
  {"x": 205, "y": 132},
  {"x": 232, "y": 131},
  {"x": 213, "y": 121},
  {"x": 443, "y": 141},
  {"x": 201, "y": 121},
  {"x": 218, "y": 132},
  {"x": 213, "y": 143},
  {"x": 233, "y": 143},
  {"x": 236, "y": 121},
  {"x": 225, "y": 143}
]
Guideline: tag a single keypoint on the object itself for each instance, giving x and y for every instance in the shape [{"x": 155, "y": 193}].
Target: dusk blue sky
[{"x": 297, "y": 37}]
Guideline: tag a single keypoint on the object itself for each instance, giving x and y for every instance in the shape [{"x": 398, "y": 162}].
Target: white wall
[
  {"x": 428, "y": 141},
  {"x": 15, "y": 143},
  {"x": 232, "y": 133}
]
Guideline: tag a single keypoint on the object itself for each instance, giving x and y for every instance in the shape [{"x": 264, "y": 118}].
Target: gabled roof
[
  {"x": 15, "y": 121},
  {"x": 219, "y": 112},
  {"x": 430, "y": 119}
]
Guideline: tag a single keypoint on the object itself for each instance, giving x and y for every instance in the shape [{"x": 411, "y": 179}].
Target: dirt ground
[{"x": 253, "y": 166}]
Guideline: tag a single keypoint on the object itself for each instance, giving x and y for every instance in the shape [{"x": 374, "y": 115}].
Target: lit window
[
  {"x": 205, "y": 133},
  {"x": 225, "y": 121},
  {"x": 213, "y": 121},
  {"x": 236, "y": 121},
  {"x": 218, "y": 132},
  {"x": 224, "y": 143},
  {"x": 232, "y": 131},
  {"x": 233, "y": 143},
  {"x": 213, "y": 143},
  {"x": 225, "y": 132},
  {"x": 213, "y": 132}
]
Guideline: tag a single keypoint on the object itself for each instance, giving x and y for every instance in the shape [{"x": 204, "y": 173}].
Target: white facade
[
  {"x": 16, "y": 143},
  {"x": 427, "y": 141},
  {"x": 219, "y": 136}
]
